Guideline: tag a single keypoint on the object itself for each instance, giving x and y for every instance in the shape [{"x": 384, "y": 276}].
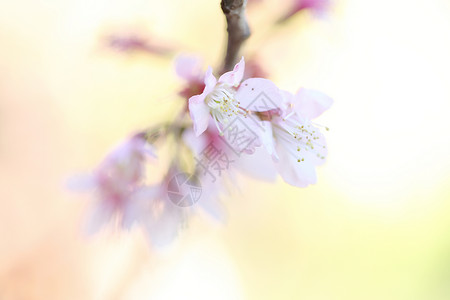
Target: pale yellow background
[{"x": 376, "y": 226}]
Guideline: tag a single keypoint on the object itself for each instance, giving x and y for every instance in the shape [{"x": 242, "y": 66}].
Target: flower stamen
[{"x": 223, "y": 105}]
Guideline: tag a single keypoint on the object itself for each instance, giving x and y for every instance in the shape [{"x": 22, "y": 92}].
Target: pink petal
[
  {"x": 151, "y": 209},
  {"x": 188, "y": 67},
  {"x": 138, "y": 207},
  {"x": 259, "y": 94},
  {"x": 199, "y": 112},
  {"x": 234, "y": 77},
  {"x": 310, "y": 103},
  {"x": 267, "y": 139},
  {"x": 198, "y": 143},
  {"x": 198, "y": 109},
  {"x": 300, "y": 174},
  {"x": 210, "y": 81}
]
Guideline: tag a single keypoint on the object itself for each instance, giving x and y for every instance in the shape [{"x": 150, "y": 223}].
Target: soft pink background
[{"x": 376, "y": 226}]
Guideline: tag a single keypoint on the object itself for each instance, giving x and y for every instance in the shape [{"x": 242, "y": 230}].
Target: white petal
[
  {"x": 300, "y": 174},
  {"x": 311, "y": 104},
  {"x": 259, "y": 94}
]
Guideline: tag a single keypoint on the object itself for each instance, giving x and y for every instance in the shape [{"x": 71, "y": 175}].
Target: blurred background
[{"x": 376, "y": 226}]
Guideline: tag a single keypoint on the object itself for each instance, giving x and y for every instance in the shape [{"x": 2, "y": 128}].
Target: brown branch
[{"x": 238, "y": 30}]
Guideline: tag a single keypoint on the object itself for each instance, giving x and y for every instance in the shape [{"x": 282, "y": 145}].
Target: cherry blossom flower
[
  {"x": 117, "y": 179},
  {"x": 290, "y": 137},
  {"x": 155, "y": 208},
  {"x": 155, "y": 213},
  {"x": 217, "y": 99},
  {"x": 299, "y": 147},
  {"x": 218, "y": 103},
  {"x": 123, "y": 196}
]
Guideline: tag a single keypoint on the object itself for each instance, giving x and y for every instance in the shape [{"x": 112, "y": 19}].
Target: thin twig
[{"x": 238, "y": 30}]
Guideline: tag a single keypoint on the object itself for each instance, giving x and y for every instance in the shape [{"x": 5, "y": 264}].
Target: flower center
[
  {"x": 222, "y": 104},
  {"x": 302, "y": 139}
]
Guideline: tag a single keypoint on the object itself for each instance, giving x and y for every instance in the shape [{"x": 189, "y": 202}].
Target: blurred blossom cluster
[
  {"x": 226, "y": 126},
  {"x": 239, "y": 122}
]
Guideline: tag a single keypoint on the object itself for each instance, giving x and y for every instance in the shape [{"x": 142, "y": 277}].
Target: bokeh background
[{"x": 376, "y": 226}]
